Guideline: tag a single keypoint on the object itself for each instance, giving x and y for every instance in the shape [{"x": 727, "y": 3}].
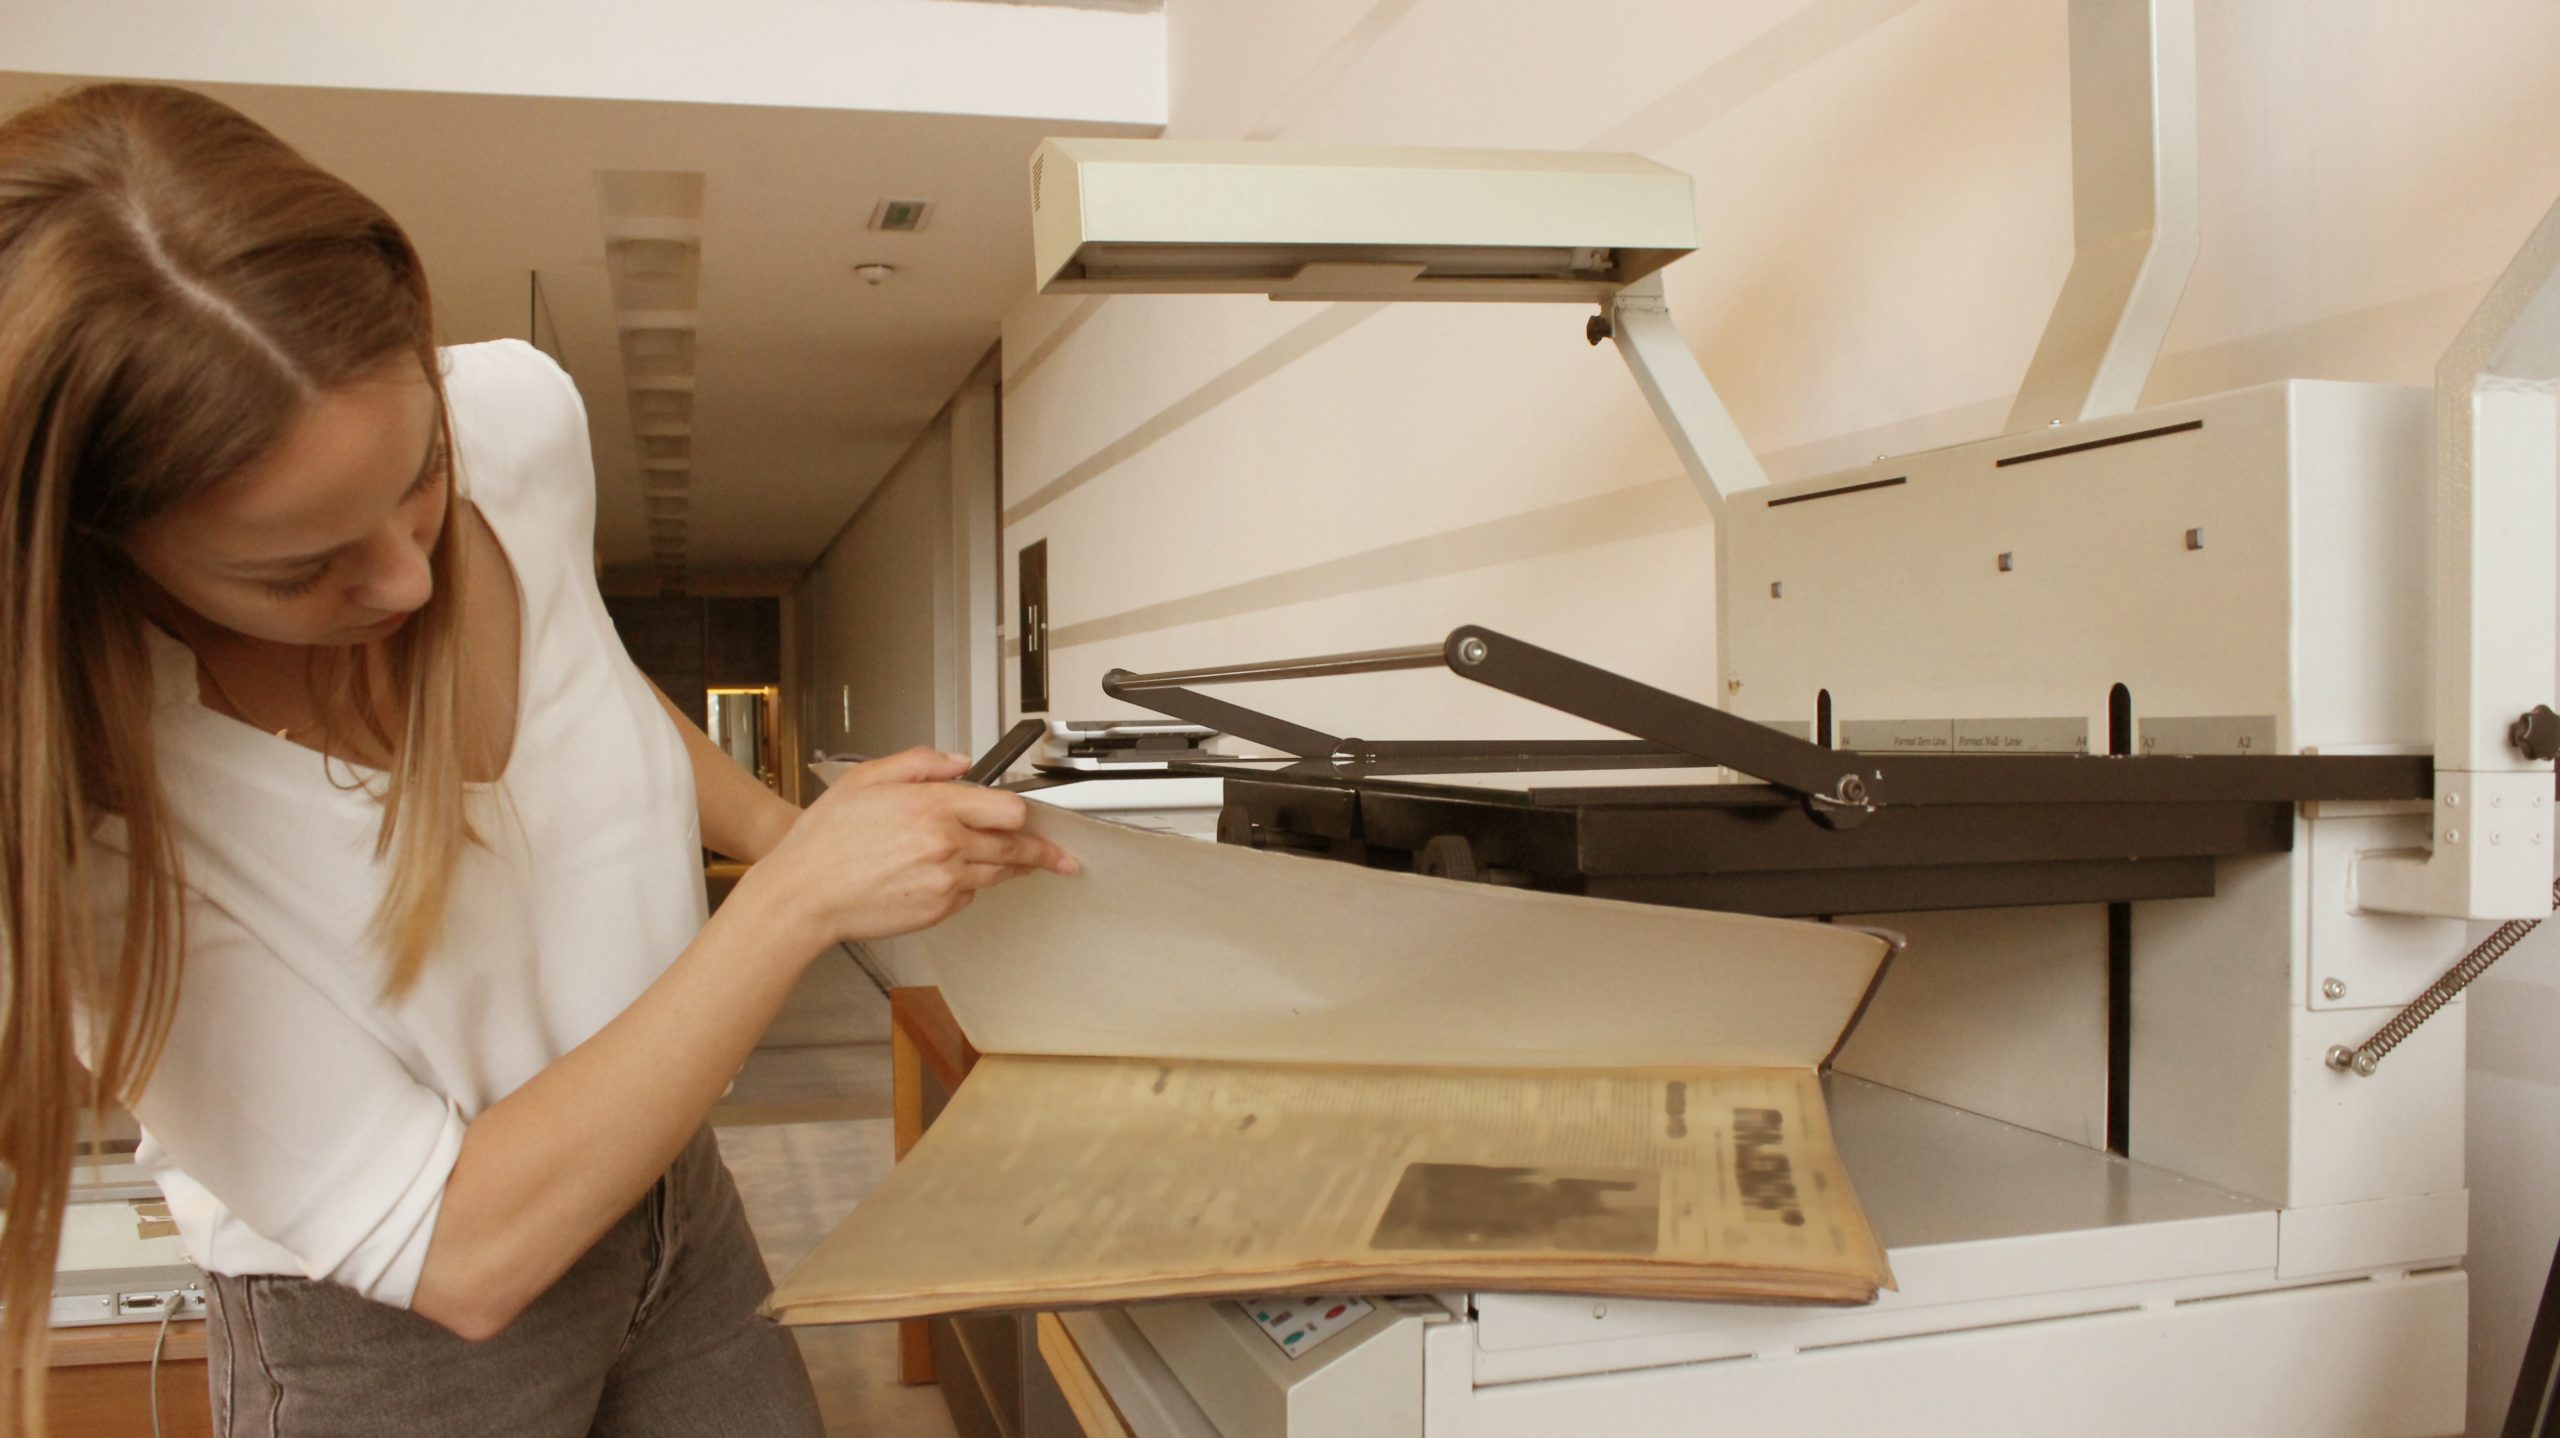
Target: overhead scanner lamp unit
[{"x": 1332, "y": 222}]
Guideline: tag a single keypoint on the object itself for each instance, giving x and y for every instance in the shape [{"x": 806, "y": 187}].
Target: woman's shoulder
[
  {"x": 509, "y": 382},
  {"x": 519, "y": 434}
]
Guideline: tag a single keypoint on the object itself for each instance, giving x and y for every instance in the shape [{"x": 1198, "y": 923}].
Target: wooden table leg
[
  {"x": 906, "y": 1107},
  {"x": 1094, "y": 1411}
]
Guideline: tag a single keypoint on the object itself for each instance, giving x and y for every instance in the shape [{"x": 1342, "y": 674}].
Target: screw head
[
  {"x": 2333, "y": 989},
  {"x": 1471, "y": 651}
]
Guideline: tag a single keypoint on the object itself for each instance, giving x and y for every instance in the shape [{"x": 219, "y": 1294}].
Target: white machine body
[{"x": 2280, "y": 1250}]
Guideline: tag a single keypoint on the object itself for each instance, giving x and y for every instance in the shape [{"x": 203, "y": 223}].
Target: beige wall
[
  {"x": 872, "y": 612},
  {"x": 1884, "y": 188},
  {"x": 897, "y": 618},
  {"x": 1086, "y": 62}
]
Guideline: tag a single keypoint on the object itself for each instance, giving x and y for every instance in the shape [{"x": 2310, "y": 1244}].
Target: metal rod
[
  {"x": 1367, "y": 661},
  {"x": 1250, "y": 725},
  {"x": 2365, "y": 1057},
  {"x": 1661, "y": 717}
]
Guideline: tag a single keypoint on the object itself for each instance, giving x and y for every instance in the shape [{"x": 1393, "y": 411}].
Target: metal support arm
[
  {"x": 2497, "y": 456},
  {"x": 1711, "y": 448},
  {"x": 1837, "y": 787},
  {"x": 2133, "y": 210},
  {"x": 1166, "y": 695},
  {"x": 1827, "y": 781}
]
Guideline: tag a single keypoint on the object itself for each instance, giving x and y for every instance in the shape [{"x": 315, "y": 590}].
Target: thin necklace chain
[
  {"x": 241, "y": 710},
  {"x": 231, "y": 701}
]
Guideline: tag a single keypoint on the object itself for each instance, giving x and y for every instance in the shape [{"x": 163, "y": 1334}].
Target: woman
[{"x": 311, "y": 697}]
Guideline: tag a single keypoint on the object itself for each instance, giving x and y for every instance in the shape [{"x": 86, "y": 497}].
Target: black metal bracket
[
  {"x": 1664, "y": 724},
  {"x": 1837, "y": 788},
  {"x": 1250, "y": 725},
  {"x": 1831, "y": 785}
]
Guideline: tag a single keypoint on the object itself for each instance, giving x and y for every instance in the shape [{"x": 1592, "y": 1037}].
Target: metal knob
[{"x": 2537, "y": 733}]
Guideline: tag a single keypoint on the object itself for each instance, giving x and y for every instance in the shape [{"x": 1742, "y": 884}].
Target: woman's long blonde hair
[{"x": 176, "y": 287}]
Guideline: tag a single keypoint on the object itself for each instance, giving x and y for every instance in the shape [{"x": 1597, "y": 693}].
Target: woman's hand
[
  {"x": 917, "y": 765},
  {"x": 544, "y": 1171},
  {"x": 893, "y": 847}
]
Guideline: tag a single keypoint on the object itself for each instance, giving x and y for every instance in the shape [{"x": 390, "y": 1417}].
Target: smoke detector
[{"x": 874, "y": 275}]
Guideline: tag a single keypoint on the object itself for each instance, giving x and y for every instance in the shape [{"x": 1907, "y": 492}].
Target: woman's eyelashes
[
  {"x": 430, "y": 478},
  {"x": 431, "y": 475},
  {"x": 296, "y": 587}
]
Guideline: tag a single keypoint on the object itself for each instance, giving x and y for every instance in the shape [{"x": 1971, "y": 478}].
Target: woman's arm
[
  {"x": 546, "y": 1170},
  {"x": 740, "y": 816}
]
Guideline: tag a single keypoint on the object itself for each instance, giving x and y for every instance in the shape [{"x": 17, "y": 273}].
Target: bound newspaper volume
[{"x": 1212, "y": 1071}]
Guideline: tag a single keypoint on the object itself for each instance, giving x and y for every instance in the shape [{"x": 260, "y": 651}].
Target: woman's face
[{"x": 325, "y": 538}]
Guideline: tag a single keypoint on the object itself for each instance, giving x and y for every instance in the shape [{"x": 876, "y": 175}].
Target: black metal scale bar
[
  {"x": 2120, "y": 962},
  {"x": 1769, "y": 859}
]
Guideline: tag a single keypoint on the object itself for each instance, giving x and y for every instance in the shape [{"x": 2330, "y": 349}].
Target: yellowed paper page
[
  {"x": 1171, "y": 948},
  {"x": 1055, "y": 1182}
]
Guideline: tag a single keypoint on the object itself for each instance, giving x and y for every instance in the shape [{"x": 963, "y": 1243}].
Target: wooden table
[
  {"x": 929, "y": 1056},
  {"x": 925, "y": 1043},
  {"x": 100, "y": 1383},
  {"x": 1094, "y": 1411}
]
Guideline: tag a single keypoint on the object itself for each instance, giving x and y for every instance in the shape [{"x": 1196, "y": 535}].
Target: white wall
[
  {"x": 1884, "y": 188},
  {"x": 874, "y": 612},
  {"x": 2514, "y": 1161},
  {"x": 900, "y": 608},
  {"x": 926, "y": 56}
]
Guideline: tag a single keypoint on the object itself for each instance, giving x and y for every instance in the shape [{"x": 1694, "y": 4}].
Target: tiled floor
[{"x": 806, "y": 1132}]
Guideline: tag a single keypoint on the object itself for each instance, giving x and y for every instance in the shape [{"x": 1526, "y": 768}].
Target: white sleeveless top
[{"x": 300, "y": 1124}]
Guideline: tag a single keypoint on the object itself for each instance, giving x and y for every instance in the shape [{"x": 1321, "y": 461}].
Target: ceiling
[{"x": 806, "y": 382}]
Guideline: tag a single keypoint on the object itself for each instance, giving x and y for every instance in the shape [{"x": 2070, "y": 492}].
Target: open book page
[
  {"x": 1171, "y": 948},
  {"x": 1054, "y": 1182}
]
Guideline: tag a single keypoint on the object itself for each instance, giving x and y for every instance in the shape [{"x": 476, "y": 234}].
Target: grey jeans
[{"x": 653, "y": 1334}]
